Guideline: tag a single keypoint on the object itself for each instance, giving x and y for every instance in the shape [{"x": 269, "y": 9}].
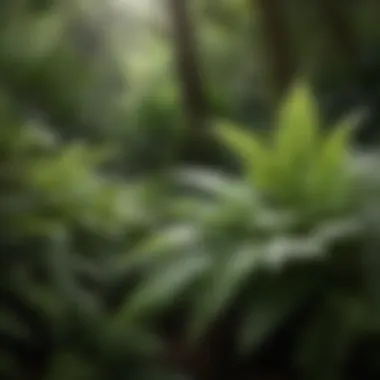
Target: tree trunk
[
  {"x": 187, "y": 64},
  {"x": 339, "y": 26},
  {"x": 197, "y": 145},
  {"x": 278, "y": 44}
]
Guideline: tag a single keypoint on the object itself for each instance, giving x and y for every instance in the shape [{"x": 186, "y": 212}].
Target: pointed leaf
[
  {"x": 254, "y": 155},
  {"x": 336, "y": 148},
  {"x": 296, "y": 138},
  {"x": 328, "y": 177}
]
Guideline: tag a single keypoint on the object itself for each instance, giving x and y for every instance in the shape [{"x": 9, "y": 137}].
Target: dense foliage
[{"x": 192, "y": 209}]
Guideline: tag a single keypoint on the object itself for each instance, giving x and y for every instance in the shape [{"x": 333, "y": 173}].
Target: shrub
[
  {"x": 65, "y": 228},
  {"x": 282, "y": 249}
]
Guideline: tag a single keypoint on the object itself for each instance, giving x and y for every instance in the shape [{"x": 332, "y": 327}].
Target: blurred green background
[{"x": 189, "y": 189}]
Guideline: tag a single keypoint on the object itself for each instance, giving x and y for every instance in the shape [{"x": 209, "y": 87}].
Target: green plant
[
  {"x": 299, "y": 165},
  {"x": 66, "y": 226},
  {"x": 285, "y": 243}
]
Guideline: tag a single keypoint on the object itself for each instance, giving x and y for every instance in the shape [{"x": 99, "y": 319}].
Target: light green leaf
[
  {"x": 328, "y": 177},
  {"x": 252, "y": 151},
  {"x": 336, "y": 148},
  {"x": 296, "y": 137}
]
